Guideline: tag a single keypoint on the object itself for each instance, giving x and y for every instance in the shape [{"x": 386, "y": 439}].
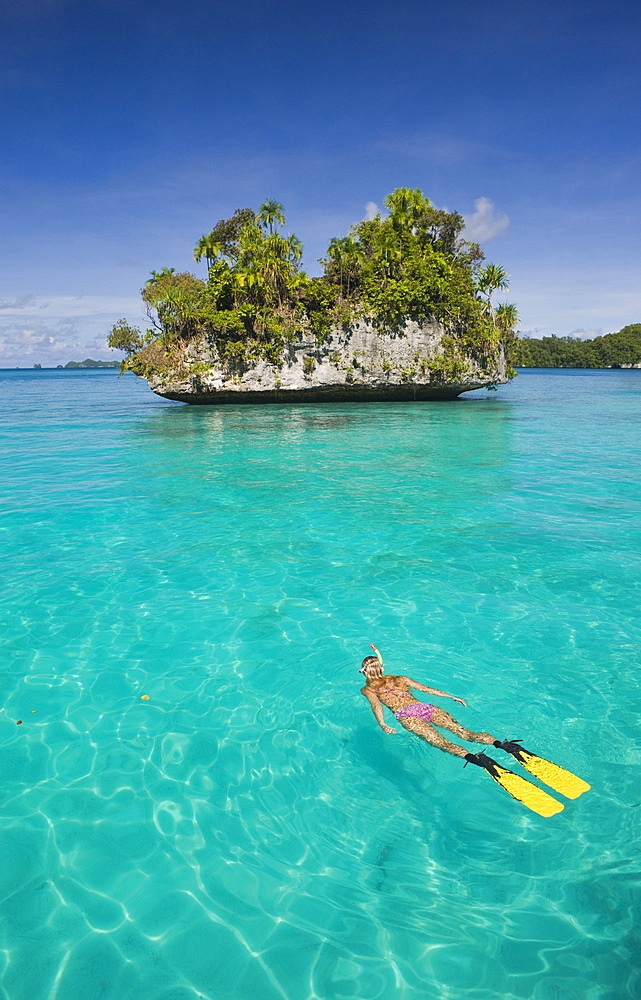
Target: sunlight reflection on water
[{"x": 248, "y": 830}]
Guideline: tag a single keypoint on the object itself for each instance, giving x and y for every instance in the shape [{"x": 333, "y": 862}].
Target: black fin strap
[
  {"x": 511, "y": 746},
  {"x": 482, "y": 760}
]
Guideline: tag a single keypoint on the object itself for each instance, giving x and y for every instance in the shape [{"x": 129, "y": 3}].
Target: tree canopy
[
  {"x": 124, "y": 337},
  {"x": 412, "y": 264},
  {"x": 610, "y": 351}
]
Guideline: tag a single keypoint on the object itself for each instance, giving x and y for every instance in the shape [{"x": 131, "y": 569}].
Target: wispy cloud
[
  {"x": 50, "y": 344},
  {"x": 485, "y": 223},
  {"x": 438, "y": 149},
  {"x": 64, "y": 307},
  {"x": 371, "y": 211},
  {"x": 57, "y": 329},
  {"x": 37, "y": 341},
  {"x": 586, "y": 334},
  {"x": 17, "y": 305}
]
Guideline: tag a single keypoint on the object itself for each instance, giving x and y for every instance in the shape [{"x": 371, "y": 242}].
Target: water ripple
[{"x": 198, "y": 804}]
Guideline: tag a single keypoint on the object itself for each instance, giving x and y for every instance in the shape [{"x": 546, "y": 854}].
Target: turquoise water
[{"x": 248, "y": 831}]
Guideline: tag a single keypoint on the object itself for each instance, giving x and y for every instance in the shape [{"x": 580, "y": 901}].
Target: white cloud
[
  {"x": 586, "y": 334},
  {"x": 56, "y": 329},
  {"x": 485, "y": 223},
  {"x": 36, "y": 341},
  {"x": 24, "y": 344},
  {"x": 371, "y": 211}
]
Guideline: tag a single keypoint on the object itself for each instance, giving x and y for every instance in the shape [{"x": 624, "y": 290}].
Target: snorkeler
[{"x": 419, "y": 718}]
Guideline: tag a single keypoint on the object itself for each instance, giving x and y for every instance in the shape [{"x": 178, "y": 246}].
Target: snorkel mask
[{"x": 364, "y": 669}]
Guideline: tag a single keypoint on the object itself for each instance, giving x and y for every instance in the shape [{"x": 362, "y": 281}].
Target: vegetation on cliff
[
  {"x": 610, "y": 351},
  {"x": 413, "y": 264}
]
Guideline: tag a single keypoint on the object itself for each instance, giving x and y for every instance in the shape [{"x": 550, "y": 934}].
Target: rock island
[{"x": 403, "y": 310}]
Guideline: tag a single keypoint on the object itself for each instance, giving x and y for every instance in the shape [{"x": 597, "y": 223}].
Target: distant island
[
  {"x": 403, "y": 310},
  {"x": 87, "y": 363},
  {"x": 90, "y": 363},
  {"x": 614, "y": 350}
]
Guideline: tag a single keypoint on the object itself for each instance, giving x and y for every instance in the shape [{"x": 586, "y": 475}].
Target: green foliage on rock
[
  {"x": 610, "y": 351},
  {"x": 176, "y": 305},
  {"x": 124, "y": 337},
  {"x": 411, "y": 265}
]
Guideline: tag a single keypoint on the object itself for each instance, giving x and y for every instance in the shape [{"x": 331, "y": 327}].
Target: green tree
[
  {"x": 412, "y": 264},
  {"x": 270, "y": 212},
  {"x": 334, "y": 262},
  {"x": 492, "y": 278},
  {"x": 389, "y": 250},
  {"x": 124, "y": 337},
  {"x": 507, "y": 318},
  {"x": 295, "y": 248},
  {"x": 610, "y": 351},
  {"x": 173, "y": 303},
  {"x": 222, "y": 241},
  {"x": 406, "y": 206},
  {"x": 207, "y": 248},
  {"x": 622, "y": 348}
]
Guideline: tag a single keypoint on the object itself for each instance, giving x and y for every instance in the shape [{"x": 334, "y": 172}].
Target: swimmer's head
[{"x": 371, "y": 667}]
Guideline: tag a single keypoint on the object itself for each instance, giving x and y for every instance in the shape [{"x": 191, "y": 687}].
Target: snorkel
[{"x": 378, "y": 655}]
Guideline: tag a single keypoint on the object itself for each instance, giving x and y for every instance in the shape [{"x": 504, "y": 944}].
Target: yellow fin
[
  {"x": 530, "y": 795},
  {"x": 556, "y": 777}
]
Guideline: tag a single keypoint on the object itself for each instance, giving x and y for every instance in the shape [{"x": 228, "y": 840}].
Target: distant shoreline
[{"x": 70, "y": 366}]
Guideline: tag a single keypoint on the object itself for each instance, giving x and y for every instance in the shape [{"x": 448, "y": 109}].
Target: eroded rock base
[{"x": 326, "y": 394}]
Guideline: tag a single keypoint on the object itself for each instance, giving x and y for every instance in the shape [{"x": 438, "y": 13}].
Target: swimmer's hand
[
  {"x": 387, "y": 729},
  {"x": 459, "y": 701}
]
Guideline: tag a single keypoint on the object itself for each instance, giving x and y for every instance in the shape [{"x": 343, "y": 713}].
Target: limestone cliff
[{"x": 356, "y": 362}]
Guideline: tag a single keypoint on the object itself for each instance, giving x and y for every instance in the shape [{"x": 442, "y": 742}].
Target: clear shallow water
[{"x": 248, "y": 831}]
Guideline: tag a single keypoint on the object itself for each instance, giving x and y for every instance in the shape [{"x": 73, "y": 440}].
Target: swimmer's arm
[
  {"x": 377, "y": 709},
  {"x": 440, "y": 694}
]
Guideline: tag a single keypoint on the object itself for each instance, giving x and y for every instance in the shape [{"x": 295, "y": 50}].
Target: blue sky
[{"x": 130, "y": 128}]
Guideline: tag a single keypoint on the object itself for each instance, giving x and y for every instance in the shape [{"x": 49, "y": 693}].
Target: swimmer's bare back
[{"x": 393, "y": 691}]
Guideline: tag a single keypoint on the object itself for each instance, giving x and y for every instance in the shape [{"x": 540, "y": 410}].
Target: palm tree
[
  {"x": 175, "y": 298},
  {"x": 507, "y": 317},
  {"x": 208, "y": 249},
  {"x": 158, "y": 275},
  {"x": 335, "y": 259},
  {"x": 249, "y": 249},
  {"x": 270, "y": 212},
  {"x": 492, "y": 278},
  {"x": 251, "y": 280},
  {"x": 352, "y": 258},
  {"x": 279, "y": 260},
  {"x": 295, "y": 249},
  {"x": 406, "y": 205},
  {"x": 179, "y": 315},
  {"x": 388, "y": 249}
]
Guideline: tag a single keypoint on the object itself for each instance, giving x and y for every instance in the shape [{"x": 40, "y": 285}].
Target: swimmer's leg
[
  {"x": 428, "y": 733},
  {"x": 446, "y": 721},
  {"x": 530, "y": 795}
]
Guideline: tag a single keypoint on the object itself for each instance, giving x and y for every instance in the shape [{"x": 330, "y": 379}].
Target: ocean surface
[{"x": 198, "y": 802}]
